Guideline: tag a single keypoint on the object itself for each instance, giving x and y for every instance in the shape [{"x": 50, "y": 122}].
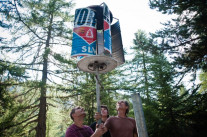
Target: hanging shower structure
[{"x": 97, "y": 43}]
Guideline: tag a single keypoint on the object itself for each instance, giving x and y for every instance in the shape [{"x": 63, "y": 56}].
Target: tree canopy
[{"x": 185, "y": 37}]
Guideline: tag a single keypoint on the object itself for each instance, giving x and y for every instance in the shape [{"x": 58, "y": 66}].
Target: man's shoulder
[
  {"x": 116, "y": 117},
  {"x": 112, "y": 117},
  {"x": 71, "y": 131},
  {"x": 88, "y": 128},
  {"x": 72, "y": 128},
  {"x": 130, "y": 118}
]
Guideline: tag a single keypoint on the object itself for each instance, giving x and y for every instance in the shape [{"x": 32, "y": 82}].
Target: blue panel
[{"x": 81, "y": 48}]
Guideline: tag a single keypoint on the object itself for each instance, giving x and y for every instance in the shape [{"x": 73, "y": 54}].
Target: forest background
[{"x": 40, "y": 82}]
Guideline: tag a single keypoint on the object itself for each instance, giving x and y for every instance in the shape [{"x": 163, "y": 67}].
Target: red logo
[{"x": 87, "y": 33}]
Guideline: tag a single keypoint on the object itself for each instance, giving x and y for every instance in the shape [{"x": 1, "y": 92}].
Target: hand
[{"x": 100, "y": 129}]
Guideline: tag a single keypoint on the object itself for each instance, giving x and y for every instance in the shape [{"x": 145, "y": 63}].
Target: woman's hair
[{"x": 104, "y": 106}]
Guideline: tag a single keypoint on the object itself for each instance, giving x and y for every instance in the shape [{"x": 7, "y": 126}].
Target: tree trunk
[{"x": 41, "y": 126}]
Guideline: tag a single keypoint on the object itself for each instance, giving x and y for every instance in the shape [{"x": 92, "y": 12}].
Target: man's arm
[{"x": 99, "y": 131}]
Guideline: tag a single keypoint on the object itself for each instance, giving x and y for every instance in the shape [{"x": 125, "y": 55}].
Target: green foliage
[
  {"x": 38, "y": 39},
  {"x": 62, "y": 59},
  {"x": 15, "y": 114},
  {"x": 203, "y": 79},
  {"x": 12, "y": 70},
  {"x": 140, "y": 65},
  {"x": 7, "y": 9},
  {"x": 184, "y": 38},
  {"x": 169, "y": 110},
  {"x": 56, "y": 124},
  {"x": 186, "y": 33}
]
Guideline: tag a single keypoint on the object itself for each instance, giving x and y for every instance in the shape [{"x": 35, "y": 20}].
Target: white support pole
[
  {"x": 139, "y": 115},
  {"x": 98, "y": 93}
]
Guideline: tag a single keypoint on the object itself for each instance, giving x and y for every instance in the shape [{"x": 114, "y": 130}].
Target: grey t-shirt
[{"x": 121, "y": 127}]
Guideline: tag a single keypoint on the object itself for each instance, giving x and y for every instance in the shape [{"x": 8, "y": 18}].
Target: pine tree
[
  {"x": 39, "y": 43},
  {"x": 155, "y": 75},
  {"x": 166, "y": 96},
  {"x": 140, "y": 64},
  {"x": 184, "y": 37},
  {"x": 11, "y": 76}
]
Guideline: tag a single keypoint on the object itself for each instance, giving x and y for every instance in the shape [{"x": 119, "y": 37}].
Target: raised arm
[{"x": 100, "y": 130}]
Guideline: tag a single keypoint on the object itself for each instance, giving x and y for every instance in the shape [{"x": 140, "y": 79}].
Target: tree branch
[
  {"x": 20, "y": 19},
  {"x": 23, "y": 93},
  {"x": 65, "y": 96},
  {"x": 20, "y": 122},
  {"x": 35, "y": 120}
]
